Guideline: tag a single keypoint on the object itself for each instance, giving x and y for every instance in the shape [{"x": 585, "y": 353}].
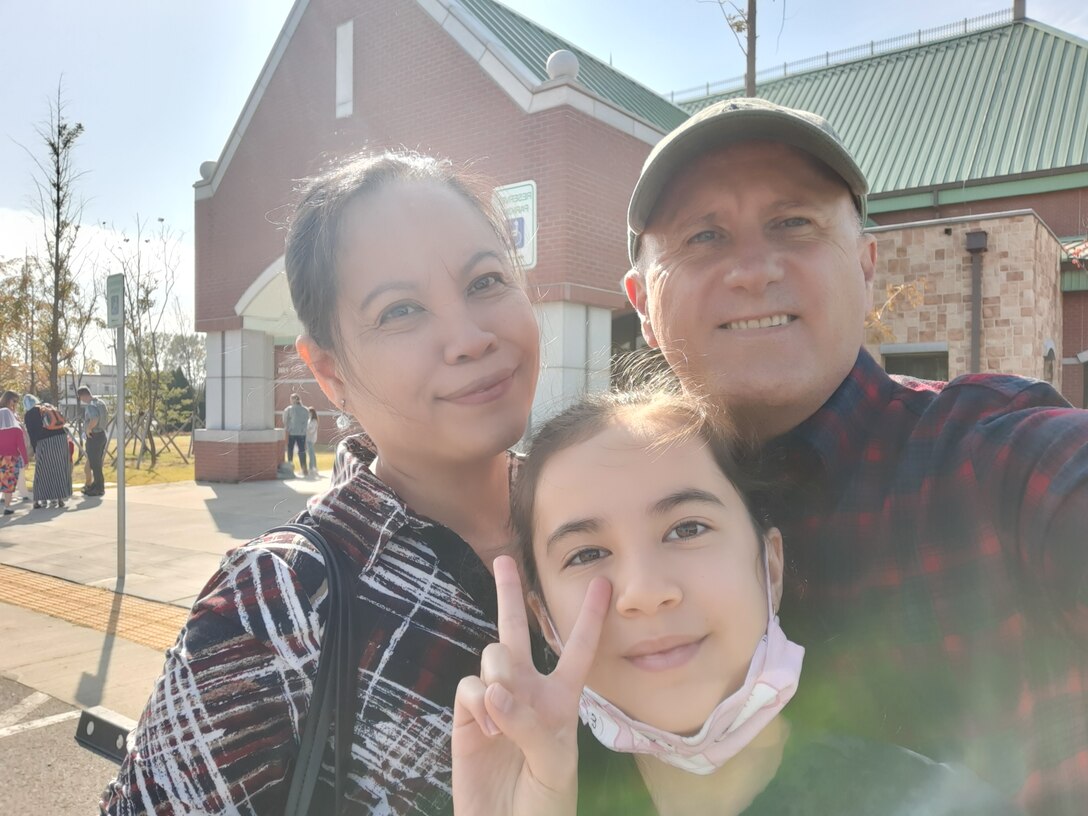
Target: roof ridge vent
[{"x": 563, "y": 64}]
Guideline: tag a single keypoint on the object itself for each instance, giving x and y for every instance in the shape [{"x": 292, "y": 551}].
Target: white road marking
[
  {"x": 12, "y": 730},
  {"x": 22, "y": 708}
]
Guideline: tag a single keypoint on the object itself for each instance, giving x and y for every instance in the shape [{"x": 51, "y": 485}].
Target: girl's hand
[{"x": 515, "y": 731}]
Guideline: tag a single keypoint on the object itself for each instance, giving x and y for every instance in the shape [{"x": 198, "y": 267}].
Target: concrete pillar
[
  {"x": 575, "y": 355},
  {"x": 241, "y": 441}
]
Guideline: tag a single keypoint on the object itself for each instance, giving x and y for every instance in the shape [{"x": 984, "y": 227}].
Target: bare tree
[
  {"x": 149, "y": 262},
  {"x": 742, "y": 22},
  {"x": 61, "y": 211}
]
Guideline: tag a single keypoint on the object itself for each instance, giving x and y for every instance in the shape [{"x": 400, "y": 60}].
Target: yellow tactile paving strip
[{"x": 148, "y": 623}]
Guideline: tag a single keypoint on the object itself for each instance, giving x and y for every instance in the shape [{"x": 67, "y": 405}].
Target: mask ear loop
[{"x": 771, "y": 614}]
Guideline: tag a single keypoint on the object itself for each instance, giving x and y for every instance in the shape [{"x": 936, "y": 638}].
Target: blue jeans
[{"x": 299, "y": 441}]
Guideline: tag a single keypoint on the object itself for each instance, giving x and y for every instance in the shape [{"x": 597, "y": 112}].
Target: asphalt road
[{"x": 42, "y": 768}]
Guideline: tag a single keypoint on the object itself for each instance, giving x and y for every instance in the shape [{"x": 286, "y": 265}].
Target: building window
[
  {"x": 345, "y": 68},
  {"x": 923, "y": 366}
]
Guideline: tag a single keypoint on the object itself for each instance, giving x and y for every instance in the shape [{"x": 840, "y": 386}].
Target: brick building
[
  {"x": 468, "y": 79},
  {"x": 974, "y": 132}
]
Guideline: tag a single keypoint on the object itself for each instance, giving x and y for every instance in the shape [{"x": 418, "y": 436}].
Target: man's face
[
  {"x": 755, "y": 281},
  {"x": 84, "y": 397}
]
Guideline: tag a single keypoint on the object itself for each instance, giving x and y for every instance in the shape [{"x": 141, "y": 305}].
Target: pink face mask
[{"x": 771, "y": 682}]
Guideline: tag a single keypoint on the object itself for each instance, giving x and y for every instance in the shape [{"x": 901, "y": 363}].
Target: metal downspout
[{"x": 976, "y": 245}]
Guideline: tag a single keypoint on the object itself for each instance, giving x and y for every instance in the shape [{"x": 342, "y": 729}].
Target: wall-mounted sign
[
  {"x": 518, "y": 201},
  {"x": 115, "y": 301}
]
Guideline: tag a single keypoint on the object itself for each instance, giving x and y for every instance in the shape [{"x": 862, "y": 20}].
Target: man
[
  {"x": 94, "y": 429},
  {"x": 295, "y": 417},
  {"x": 938, "y": 562}
]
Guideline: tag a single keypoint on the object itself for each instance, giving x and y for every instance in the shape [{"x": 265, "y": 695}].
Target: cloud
[{"x": 22, "y": 232}]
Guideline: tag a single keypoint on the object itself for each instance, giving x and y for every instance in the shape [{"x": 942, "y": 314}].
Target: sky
[{"x": 159, "y": 85}]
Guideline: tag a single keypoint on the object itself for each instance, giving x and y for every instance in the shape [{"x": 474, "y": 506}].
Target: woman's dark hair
[
  {"x": 313, "y": 413},
  {"x": 313, "y": 238},
  {"x": 661, "y": 412},
  {"x": 9, "y": 399}
]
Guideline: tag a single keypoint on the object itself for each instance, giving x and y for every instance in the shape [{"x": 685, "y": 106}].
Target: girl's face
[
  {"x": 440, "y": 346},
  {"x": 674, "y": 538}
]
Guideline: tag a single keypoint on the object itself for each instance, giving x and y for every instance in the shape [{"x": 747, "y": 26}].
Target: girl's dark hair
[
  {"x": 313, "y": 238},
  {"x": 9, "y": 397},
  {"x": 664, "y": 414}
]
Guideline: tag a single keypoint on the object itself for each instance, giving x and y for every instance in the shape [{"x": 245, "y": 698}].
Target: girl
[
  {"x": 658, "y": 586},
  {"x": 415, "y": 321},
  {"x": 311, "y": 441},
  {"x": 13, "y": 456}
]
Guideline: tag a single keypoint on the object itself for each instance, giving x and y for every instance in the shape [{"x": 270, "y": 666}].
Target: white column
[
  {"x": 240, "y": 386},
  {"x": 575, "y": 354}
]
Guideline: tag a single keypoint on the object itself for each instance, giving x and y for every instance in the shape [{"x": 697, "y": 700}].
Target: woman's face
[
  {"x": 672, "y": 535},
  {"x": 440, "y": 348}
]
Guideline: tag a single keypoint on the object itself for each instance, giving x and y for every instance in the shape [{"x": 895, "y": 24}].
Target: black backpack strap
[{"x": 334, "y": 688}]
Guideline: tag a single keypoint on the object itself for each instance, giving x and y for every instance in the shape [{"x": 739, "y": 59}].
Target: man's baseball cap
[{"x": 738, "y": 120}]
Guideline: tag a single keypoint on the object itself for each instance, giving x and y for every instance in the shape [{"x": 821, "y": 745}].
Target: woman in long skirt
[{"x": 53, "y": 471}]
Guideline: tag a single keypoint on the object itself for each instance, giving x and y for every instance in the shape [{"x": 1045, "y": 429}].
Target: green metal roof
[
  {"x": 532, "y": 45},
  {"x": 1005, "y": 101}
]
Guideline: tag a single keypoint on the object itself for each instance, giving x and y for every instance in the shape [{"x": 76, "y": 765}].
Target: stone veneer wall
[{"x": 1021, "y": 299}]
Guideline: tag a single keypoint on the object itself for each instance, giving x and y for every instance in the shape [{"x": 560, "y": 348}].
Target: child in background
[
  {"x": 311, "y": 440},
  {"x": 657, "y": 585},
  {"x": 13, "y": 456}
]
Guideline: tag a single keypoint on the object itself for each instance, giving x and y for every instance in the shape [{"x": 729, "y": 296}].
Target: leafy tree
[{"x": 23, "y": 311}]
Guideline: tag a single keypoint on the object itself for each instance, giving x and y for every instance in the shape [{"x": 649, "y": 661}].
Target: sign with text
[
  {"x": 115, "y": 301},
  {"x": 518, "y": 202}
]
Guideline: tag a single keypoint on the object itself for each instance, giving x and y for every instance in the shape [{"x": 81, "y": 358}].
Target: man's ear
[
  {"x": 775, "y": 565},
  {"x": 543, "y": 620},
  {"x": 867, "y": 261},
  {"x": 634, "y": 284},
  {"x": 322, "y": 362}
]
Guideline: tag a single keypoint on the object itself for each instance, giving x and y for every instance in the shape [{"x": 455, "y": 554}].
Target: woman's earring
[{"x": 343, "y": 419}]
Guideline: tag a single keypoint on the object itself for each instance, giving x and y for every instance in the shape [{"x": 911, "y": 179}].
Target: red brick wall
[
  {"x": 1074, "y": 341},
  {"x": 414, "y": 86},
  {"x": 230, "y": 462},
  {"x": 1065, "y": 211}
]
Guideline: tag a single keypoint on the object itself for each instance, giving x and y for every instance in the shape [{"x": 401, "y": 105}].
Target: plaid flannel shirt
[
  {"x": 222, "y": 727},
  {"x": 936, "y": 541}
]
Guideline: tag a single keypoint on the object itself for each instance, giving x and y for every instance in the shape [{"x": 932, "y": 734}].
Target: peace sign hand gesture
[{"x": 515, "y": 731}]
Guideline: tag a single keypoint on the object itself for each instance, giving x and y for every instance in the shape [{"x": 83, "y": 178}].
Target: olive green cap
[{"x": 738, "y": 120}]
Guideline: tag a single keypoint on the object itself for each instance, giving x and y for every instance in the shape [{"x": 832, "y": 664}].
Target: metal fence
[{"x": 869, "y": 49}]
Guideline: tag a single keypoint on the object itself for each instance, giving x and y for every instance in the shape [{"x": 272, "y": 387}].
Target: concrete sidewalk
[{"x": 176, "y": 534}]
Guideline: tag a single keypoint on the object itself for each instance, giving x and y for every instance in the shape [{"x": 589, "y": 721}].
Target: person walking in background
[
  {"x": 49, "y": 447},
  {"x": 295, "y": 417},
  {"x": 10, "y": 399},
  {"x": 311, "y": 440},
  {"x": 94, "y": 426},
  {"x": 13, "y": 456}
]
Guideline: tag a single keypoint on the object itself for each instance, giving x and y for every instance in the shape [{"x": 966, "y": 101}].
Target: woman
[
  {"x": 416, "y": 323},
  {"x": 53, "y": 468},
  {"x": 13, "y": 456},
  {"x": 658, "y": 586},
  {"x": 311, "y": 440},
  {"x": 10, "y": 400}
]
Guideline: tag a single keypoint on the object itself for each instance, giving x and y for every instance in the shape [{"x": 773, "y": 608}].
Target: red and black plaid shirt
[{"x": 936, "y": 541}]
